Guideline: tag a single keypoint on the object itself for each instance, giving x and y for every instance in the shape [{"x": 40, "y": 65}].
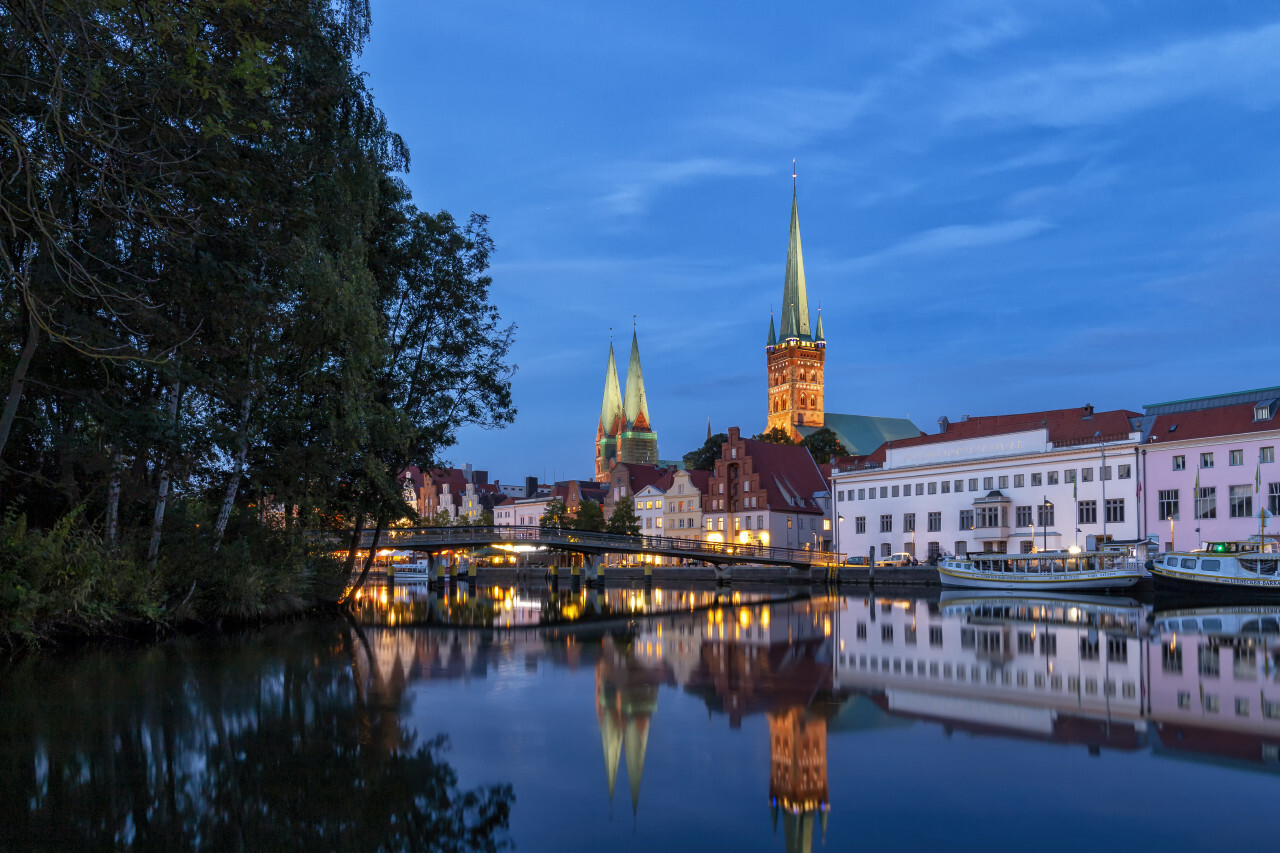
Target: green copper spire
[
  {"x": 817, "y": 335},
  {"x": 773, "y": 339},
  {"x": 635, "y": 406},
  {"x": 795, "y": 299},
  {"x": 611, "y": 408}
]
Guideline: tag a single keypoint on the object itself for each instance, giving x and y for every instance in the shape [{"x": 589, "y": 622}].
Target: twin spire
[{"x": 621, "y": 412}]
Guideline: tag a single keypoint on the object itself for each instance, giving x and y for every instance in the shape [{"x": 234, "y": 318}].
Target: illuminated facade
[{"x": 624, "y": 433}]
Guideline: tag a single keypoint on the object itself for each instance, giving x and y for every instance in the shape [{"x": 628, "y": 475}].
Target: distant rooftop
[{"x": 1195, "y": 404}]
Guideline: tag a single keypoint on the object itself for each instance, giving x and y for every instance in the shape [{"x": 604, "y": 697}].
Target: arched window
[
  {"x": 813, "y": 402},
  {"x": 802, "y": 401}
]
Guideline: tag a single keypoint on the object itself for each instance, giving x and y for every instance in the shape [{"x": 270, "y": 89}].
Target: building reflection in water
[{"x": 1090, "y": 672}]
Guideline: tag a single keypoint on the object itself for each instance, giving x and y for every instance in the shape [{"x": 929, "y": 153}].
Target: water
[{"x": 718, "y": 722}]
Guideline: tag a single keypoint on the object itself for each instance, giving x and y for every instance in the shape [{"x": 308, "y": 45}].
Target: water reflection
[{"x": 278, "y": 740}]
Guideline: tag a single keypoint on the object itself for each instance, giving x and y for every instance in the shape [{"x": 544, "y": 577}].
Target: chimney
[
  {"x": 734, "y": 433},
  {"x": 1088, "y": 411},
  {"x": 964, "y": 418},
  {"x": 943, "y": 423},
  {"x": 530, "y": 486}
]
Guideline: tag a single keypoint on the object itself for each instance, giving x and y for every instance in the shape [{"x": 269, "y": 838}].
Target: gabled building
[
  {"x": 682, "y": 507},
  {"x": 766, "y": 494},
  {"x": 624, "y": 480},
  {"x": 624, "y": 433},
  {"x": 795, "y": 358}
]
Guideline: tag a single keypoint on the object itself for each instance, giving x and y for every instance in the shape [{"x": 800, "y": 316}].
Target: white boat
[
  {"x": 1056, "y": 570},
  {"x": 1247, "y": 567}
]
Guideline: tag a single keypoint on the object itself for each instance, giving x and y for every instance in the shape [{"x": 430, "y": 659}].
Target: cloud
[
  {"x": 1243, "y": 66},
  {"x": 637, "y": 183},
  {"x": 780, "y": 117},
  {"x": 948, "y": 238}
]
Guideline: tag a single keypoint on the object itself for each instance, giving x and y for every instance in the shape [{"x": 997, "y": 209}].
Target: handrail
[{"x": 610, "y": 541}]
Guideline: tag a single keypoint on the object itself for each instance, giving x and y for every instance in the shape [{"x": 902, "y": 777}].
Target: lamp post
[
  {"x": 1044, "y": 522},
  {"x": 1171, "y": 531},
  {"x": 839, "y": 521}
]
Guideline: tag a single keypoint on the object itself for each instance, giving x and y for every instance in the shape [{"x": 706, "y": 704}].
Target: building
[
  {"x": 625, "y": 480},
  {"x": 1208, "y": 468},
  {"x": 682, "y": 508},
  {"x": 624, "y": 432},
  {"x": 1040, "y": 480},
  {"x": 766, "y": 494},
  {"x": 795, "y": 362},
  {"x": 648, "y": 506}
]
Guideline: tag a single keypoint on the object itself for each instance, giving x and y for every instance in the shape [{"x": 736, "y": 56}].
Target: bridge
[{"x": 433, "y": 540}]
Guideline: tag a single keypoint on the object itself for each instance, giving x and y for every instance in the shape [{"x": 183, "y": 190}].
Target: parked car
[
  {"x": 856, "y": 561},
  {"x": 900, "y": 559}
]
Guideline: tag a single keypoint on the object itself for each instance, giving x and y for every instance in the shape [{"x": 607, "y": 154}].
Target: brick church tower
[{"x": 796, "y": 356}]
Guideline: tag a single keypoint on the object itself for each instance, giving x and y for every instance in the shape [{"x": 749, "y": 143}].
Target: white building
[
  {"x": 648, "y": 506},
  {"x": 1001, "y": 483}
]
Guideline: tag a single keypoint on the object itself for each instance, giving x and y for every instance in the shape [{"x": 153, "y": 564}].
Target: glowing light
[
  {"x": 764, "y": 617},
  {"x": 826, "y": 627},
  {"x": 744, "y": 618}
]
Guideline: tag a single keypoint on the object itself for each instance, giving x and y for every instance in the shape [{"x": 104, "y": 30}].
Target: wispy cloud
[
  {"x": 635, "y": 184},
  {"x": 1243, "y": 66},
  {"x": 949, "y": 238},
  {"x": 787, "y": 117}
]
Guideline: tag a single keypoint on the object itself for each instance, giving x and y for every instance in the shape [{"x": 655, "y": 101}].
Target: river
[{"x": 689, "y": 719}]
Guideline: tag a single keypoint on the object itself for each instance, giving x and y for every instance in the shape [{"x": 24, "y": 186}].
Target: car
[
  {"x": 900, "y": 559},
  {"x": 856, "y": 561}
]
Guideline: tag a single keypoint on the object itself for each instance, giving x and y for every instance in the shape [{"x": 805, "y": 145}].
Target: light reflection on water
[{"x": 971, "y": 721}]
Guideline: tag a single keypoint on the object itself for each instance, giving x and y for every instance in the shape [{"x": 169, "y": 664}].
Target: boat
[
  {"x": 1249, "y": 568},
  {"x": 1057, "y": 570}
]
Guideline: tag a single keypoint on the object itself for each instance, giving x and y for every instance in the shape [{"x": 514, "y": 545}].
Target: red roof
[
  {"x": 701, "y": 480},
  {"x": 1065, "y": 427},
  {"x": 783, "y": 469},
  {"x": 1207, "y": 423},
  {"x": 644, "y": 475}
]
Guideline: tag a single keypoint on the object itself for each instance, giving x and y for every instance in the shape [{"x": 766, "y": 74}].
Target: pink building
[{"x": 1209, "y": 469}]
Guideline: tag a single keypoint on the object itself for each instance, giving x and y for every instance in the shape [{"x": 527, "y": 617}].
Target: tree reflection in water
[{"x": 280, "y": 740}]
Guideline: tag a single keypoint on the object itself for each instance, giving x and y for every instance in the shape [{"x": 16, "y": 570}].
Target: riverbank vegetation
[{"x": 225, "y": 326}]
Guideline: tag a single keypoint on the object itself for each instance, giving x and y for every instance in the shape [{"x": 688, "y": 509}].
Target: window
[
  {"x": 648, "y": 522},
  {"x": 935, "y": 636},
  {"x": 1044, "y": 514},
  {"x": 886, "y": 633},
  {"x": 884, "y": 491},
  {"x": 988, "y": 483},
  {"x": 935, "y": 550},
  {"x": 959, "y": 485},
  {"x": 1171, "y": 657},
  {"x": 1273, "y": 498},
  {"x": 966, "y": 519},
  {"x": 1026, "y": 644},
  {"x": 1115, "y": 510},
  {"x": 862, "y": 494},
  {"x": 1069, "y": 475},
  {"x": 860, "y": 524},
  {"x": 1168, "y": 504},
  {"x": 1235, "y": 457},
  {"x": 1051, "y": 478},
  {"x": 1086, "y": 475},
  {"x": 1104, "y": 473},
  {"x": 946, "y": 487},
  {"x": 1179, "y": 463},
  {"x": 1087, "y": 513},
  {"x": 1117, "y": 650},
  {"x": 895, "y": 491},
  {"x": 1267, "y": 454},
  {"x": 1004, "y": 482},
  {"x": 733, "y": 453},
  {"x": 1242, "y": 707},
  {"x": 935, "y": 522},
  {"x": 933, "y": 488},
  {"x": 919, "y": 488},
  {"x": 1049, "y": 645},
  {"x": 1210, "y": 665},
  {"x": 1206, "y": 460},
  {"x": 1124, "y": 472},
  {"x": 1088, "y": 648},
  {"x": 747, "y": 524},
  {"x": 862, "y": 630},
  {"x": 760, "y": 522},
  {"x": 886, "y": 524},
  {"x": 1019, "y": 480},
  {"x": 840, "y": 496},
  {"x": 1240, "y": 499},
  {"x": 1184, "y": 699},
  {"x": 908, "y": 522},
  {"x": 989, "y": 516},
  {"x": 1023, "y": 516},
  {"x": 1211, "y": 704},
  {"x": 885, "y": 550},
  {"x": 710, "y": 524},
  {"x": 1207, "y": 502},
  {"x": 973, "y": 484},
  {"x": 1037, "y": 480}
]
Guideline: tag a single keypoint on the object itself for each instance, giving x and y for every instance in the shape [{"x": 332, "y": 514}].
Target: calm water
[{"x": 721, "y": 723}]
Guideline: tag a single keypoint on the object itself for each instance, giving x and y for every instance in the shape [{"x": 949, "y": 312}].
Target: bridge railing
[{"x": 695, "y": 548}]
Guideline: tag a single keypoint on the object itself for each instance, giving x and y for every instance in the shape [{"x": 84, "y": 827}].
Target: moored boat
[
  {"x": 1058, "y": 570},
  {"x": 1246, "y": 568}
]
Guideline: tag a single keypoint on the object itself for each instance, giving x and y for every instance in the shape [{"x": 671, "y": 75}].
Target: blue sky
[{"x": 1004, "y": 206}]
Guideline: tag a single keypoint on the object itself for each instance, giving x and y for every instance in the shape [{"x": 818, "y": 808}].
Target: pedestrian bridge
[{"x": 433, "y": 540}]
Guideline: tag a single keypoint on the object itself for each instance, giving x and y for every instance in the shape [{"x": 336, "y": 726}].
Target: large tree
[
  {"x": 623, "y": 520},
  {"x": 824, "y": 445},
  {"x": 704, "y": 458},
  {"x": 590, "y": 517}
]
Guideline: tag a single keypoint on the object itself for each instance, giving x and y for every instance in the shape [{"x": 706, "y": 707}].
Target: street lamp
[
  {"x": 1170, "y": 531},
  {"x": 839, "y": 521},
  {"x": 1044, "y": 522}
]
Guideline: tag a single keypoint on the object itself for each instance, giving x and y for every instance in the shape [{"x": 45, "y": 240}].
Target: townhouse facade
[
  {"x": 1035, "y": 481},
  {"x": 682, "y": 507}
]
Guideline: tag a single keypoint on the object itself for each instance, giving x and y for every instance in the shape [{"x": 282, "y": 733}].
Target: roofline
[{"x": 1211, "y": 397}]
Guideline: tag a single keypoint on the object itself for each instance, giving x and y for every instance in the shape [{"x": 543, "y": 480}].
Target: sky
[{"x": 1005, "y": 206}]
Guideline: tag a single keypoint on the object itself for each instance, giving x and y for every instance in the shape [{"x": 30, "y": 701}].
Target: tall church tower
[
  {"x": 624, "y": 432},
  {"x": 796, "y": 356}
]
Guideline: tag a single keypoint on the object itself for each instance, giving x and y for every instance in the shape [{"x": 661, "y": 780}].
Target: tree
[
  {"x": 824, "y": 445},
  {"x": 704, "y": 458},
  {"x": 590, "y": 517},
  {"x": 623, "y": 520},
  {"x": 777, "y": 435},
  {"x": 555, "y": 515}
]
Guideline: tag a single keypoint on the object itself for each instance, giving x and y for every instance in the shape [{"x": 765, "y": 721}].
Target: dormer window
[{"x": 1264, "y": 411}]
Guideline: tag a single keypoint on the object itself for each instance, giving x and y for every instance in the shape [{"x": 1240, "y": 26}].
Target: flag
[
  {"x": 1074, "y": 494},
  {"x": 1257, "y": 479}
]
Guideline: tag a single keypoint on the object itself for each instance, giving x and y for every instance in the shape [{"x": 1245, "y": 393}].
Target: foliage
[
  {"x": 555, "y": 515},
  {"x": 776, "y": 435},
  {"x": 824, "y": 445},
  {"x": 704, "y": 458},
  {"x": 590, "y": 517},
  {"x": 623, "y": 520},
  {"x": 439, "y": 518}
]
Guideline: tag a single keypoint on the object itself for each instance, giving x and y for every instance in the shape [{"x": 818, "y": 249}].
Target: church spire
[
  {"x": 795, "y": 299},
  {"x": 817, "y": 333},
  {"x": 773, "y": 338},
  {"x": 611, "y": 408},
  {"x": 635, "y": 406}
]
